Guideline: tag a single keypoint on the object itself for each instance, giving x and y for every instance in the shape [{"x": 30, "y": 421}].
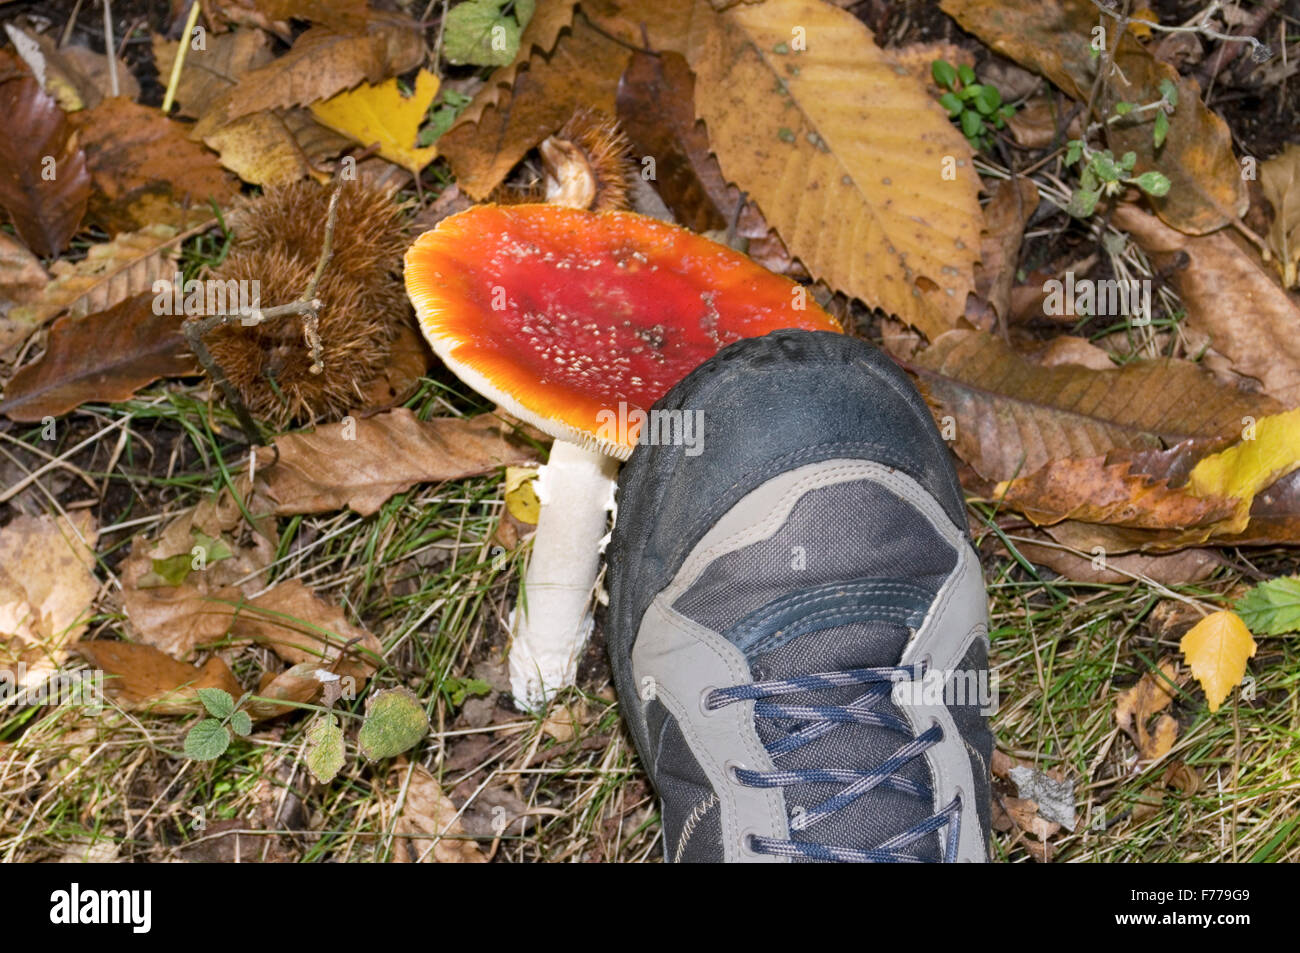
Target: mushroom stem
[{"x": 553, "y": 618}]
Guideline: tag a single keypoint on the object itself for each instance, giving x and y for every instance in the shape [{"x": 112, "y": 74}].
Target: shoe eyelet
[
  {"x": 730, "y": 768},
  {"x": 927, "y": 663},
  {"x": 747, "y": 845},
  {"x": 705, "y": 710},
  {"x": 936, "y": 723}
]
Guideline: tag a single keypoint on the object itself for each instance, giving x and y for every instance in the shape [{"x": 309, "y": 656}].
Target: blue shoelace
[{"x": 822, "y": 719}]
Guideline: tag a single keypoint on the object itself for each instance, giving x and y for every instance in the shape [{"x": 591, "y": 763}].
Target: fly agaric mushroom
[{"x": 577, "y": 322}]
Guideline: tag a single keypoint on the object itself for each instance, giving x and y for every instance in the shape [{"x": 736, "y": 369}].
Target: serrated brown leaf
[
  {"x": 45, "y": 199},
  {"x": 1231, "y": 296},
  {"x": 582, "y": 69},
  {"x": 110, "y": 273},
  {"x": 1054, "y": 37},
  {"x": 656, "y": 108},
  {"x": 389, "y": 453},
  {"x": 537, "y": 40},
  {"x": 143, "y": 163},
  {"x": 300, "y": 626},
  {"x": 1011, "y": 417},
  {"x": 320, "y": 64},
  {"x": 141, "y": 678},
  {"x": 342, "y": 15},
  {"x": 267, "y": 148},
  {"x": 844, "y": 152},
  {"x": 1094, "y": 491},
  {"x": 106, "y": 356}
]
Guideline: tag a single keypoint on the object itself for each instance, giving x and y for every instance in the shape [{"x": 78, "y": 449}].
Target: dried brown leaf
[
  {"x": 106, "y": 356},
  {"x": 44, "y": 185},
  {"x": 1011, "y": 417},
  {"x": 1005, "y": 217},
  {"x": 363, "y": 463},
  {"x": 141, "y": 678},
  {"x": 145, "y": 168},
  {"x": 1135, "y": 708},
  {"x": 47, "y": 588},
  {"x": 860, "y": 172},
  {"x": 1279, "y": 180},
  {"x": 1231, "y": 296},
  {"x": 428, "y": 829},
  {"x": 320, "y": 64}
]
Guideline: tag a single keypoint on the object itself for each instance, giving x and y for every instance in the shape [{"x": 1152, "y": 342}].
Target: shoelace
[{"x": 821, "y": 719}]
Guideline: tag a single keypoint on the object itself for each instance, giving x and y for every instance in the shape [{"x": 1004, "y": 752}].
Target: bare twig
[
  {"x": 109, "y": 48},
  {"x": 179, "y": 63},
  {"x": 307, "y": 305}
]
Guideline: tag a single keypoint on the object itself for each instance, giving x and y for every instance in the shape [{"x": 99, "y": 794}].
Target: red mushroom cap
[{"x": 560, "y": 313}]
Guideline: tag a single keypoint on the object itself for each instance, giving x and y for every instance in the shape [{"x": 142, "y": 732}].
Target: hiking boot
[{"x": 798, "y": 625}]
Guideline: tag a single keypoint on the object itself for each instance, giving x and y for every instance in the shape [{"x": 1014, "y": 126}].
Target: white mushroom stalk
[{"x": 554, "y": 616}]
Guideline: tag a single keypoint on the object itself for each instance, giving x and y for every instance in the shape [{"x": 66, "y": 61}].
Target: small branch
[
  {"x": 109, "y": 48},
  {"x": 179, "y": 63}
]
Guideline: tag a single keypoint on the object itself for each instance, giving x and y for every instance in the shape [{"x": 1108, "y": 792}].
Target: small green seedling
[
  {"x": 395, "y": 722},
  {"x": 209, "y": 739},
  {"x": 1103, "y": 174},
  {"x": 977, "y": 107}
]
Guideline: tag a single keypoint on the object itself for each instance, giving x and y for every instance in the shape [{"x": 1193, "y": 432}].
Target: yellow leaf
[
  {"x": 1216, "y": 648},
  {"x": 521, "y": 497},
  {"x": 371, "y": 114},
  {"x": 1140, "y": 23},
  {"x": 1243, "y": 470}
]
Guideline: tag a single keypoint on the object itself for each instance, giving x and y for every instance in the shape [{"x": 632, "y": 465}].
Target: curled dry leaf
[
  {"x": 362, "y": 463},
  {"x": 1135, "y": 708},
  {"x": 1012, "y": 417},
  {"x": 76, "y": 76},
  {"x": 1186, "y": 566},
  {"x": 1094, "y": 491},
  {"x": 1054, "y": 37},
  {"x": 1229, "y": 295},
  {"x": 141, "y": 678},
  {"x": 22, "y": 279},
  {"x": 839, "y": 126},
  {"x": 427, "y": 829},
  {"x": 44, "y": 185},
  {"x": 1005, "y": 218},
  {"x": 106, "y": 356},
  {"x": 300, "y": 626},
  {"x": 320, "y": 64},
  {"x": 47, "y": 587}
]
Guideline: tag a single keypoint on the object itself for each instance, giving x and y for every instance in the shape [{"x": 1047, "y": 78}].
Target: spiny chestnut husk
[
  {"x": 588, "y": 163},
  {"x": 277, "y": 243}
]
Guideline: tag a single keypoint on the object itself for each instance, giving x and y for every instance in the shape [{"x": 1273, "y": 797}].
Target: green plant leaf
[
  {"x": 1083, "y": 202},
  {"x": 241, "y": 724},
  {"x": 1153, "y": 183},
  {"x": 965, "y": 74},
  {"x": 1127, "y": 161},
  {"x": 1161, "y": 128},
  {"x": 1103, "y": 164},
  {"x": 971, "y": 124},
  {"x": 1168, "y": 91},
  {"x": 943, "y": 73},
  {"x": 987, "y": 99},
  {"x": 1073, "y": 151},
  {"x": 458, "y": 689},
  {"x": 1273, "y": 607},
  {"x": 217, "y": 701},
  {"x": 173, "y": 570},
  {"x": 325, "y": 749},
  {"x": 1122, "y": 108},
  {"x": 952, "y": 103},
  {"x": 207, "y": 741},
  {"x": 395, "y": 722}
]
